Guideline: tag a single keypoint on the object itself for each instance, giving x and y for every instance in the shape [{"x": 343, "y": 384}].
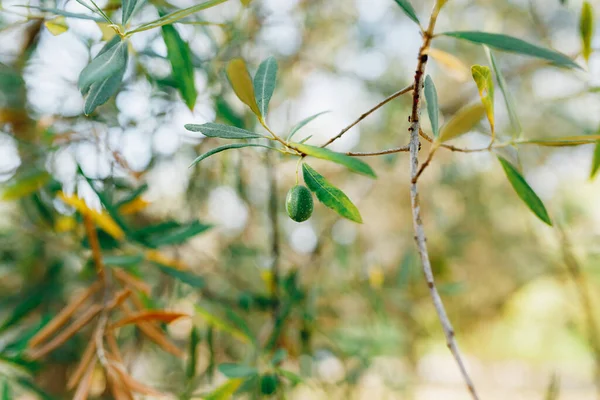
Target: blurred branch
[
  {"x": 275, "y": 246},
  {"x": 420, "y": 237}
]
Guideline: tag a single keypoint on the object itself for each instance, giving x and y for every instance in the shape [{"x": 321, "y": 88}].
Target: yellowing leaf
[
  {"x": 563, "y": 141},
  {"x": 267, "y": 277},
  {"x": 64, "y": 224},
  {"x": 225, "y": 391},
  {"x": 149, "y": 316},
  {"x": 242, "y": 85},
  {"x": 107, "y": 32},
  {"x": 245, "y": 3},
  {"x": 376, "y": 277},
  {"x": 485, "y": 84},
  {"x": 157, "y": 257},
  {"x": 56, "y": 26},
  {"x": 453, "y": 66},
  {"x": 586, "y": 29},
  {"x": 25, "y": 186},
  {"x": 102, "y": 219},
  {"x": 462, "y": 122},
  {"x": 134, "y": 206}
]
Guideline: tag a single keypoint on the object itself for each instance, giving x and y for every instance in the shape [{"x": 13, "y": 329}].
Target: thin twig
[
  {"x": 367, "y": 113},
  {"x": 379, "y": 153},
  {"x": 425, "y": 164},
  {"x": 420, "y": 237}
]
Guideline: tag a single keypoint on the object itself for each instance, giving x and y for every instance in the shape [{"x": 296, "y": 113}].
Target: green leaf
[
  {"x": 264, "y": 84},
  {"x": 188, "y": 278},
  {"x": 508, "y": 100},
  {"x": 25, "y": 185},
  {"x": 100, "y": 92},
  {"x": 128, "y": 9},
  {"x": 329, "y": 195},
  {"x": 408, "y": 9},
  {"x": 525, "y": 192},
  {"x": 175, "y": 16},
  {"x": 222, "y": 131},
  {"x": 180, "y": 57},
  {"x": 123, "y": 260},
  {"x": 177, "y": 234},
  {"x": 351, "y": 163},
  {"x": 565, "y": 141},
  {"x": 6, "y": 392},
  {"x": 301, "y": 124},
  {"x": 222, "y": 325},
  {"x": 192, "y": 361},
  {"x": 595, "y": 161},
  {"x": 242, "y": 85},
  {"x": 107, "y": 63},
  {"x": 32, "y": 300},
  {"x": 485, "y": 85},
  {"x": 462, "y": 122},
  {"x": 227, "y": 147},
  {"x": 432, "y": 105},
  {"x": 586, "y": 29},
  {"x": 237, "y": 370},
  {"x": 514, "y": 45},
  {"x": 225, "y": 391}
]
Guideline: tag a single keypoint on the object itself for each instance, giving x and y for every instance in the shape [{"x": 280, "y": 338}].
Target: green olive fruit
[
  {"x": 299, "y": 203},
  {"x": 269, "y": 383}
]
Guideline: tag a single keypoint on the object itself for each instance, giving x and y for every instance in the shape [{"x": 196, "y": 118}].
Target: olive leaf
[
  {"x": 128, "y": 9},
  {"x": 508, "y": 100},
  {"x": 302, "y": 123},
  {"x": 180, "y": 57},
  {"x": 222, "y": 131},
  {"x": 264, "y": 84},
  {"x": 231, "y": 370},
  {"x": 242, "y": 85},
  {"x": 408, "y": 10},
  {"x": 485, "y": 85},
  {"x": 111, "y": 59},
  {"x": 330, "y": 195},
  {"x": 353, "y": 164},
  {"x": 586, "y": 29},
  {"x": 227, "y": 147},
  {"x": 595, "y": 160},
  {"x": 462, "y": 122},
  {"x": 525, "y": 192},
  {"x": 432, "y": 105}
]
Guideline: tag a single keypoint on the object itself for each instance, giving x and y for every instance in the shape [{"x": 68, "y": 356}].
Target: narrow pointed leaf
[
  {"x": 175, "y": 16},
  {"x": 329, "y": 195},
  {"x": 302, "y": 123},
  {"x": 462, "y": 122},
  {"x": 508, "y": 100},
  {"x": 586, "y": 29},
  {"x": 237, "y": 370},
  {"x": 222, "y": 131},
  {"x": 595, "y": 161},
  {"x": 353, "y": 164},
  {"x": 128, "y": 9},
  {"x": 514, "y": 45},
  {"x": 432, "y": 105},
  {"x": 264, "y": 84},
  {"x": 227, "y": 147},
  {"x": 177, "y": 234},
  {"x": 123, "y": 260},
  {"x": 525, "y": 192},
  {"x": 485, "y": 85},
  {"x": 180, "y": 57},
  {"x": 242, "y": 85},
  {"x": 222, "y": 325},
  {"x": 563, "y": 141},
  {"x": 186, "y": 277},
  {"x": 408, "y": 9},
  {"x": 106, "y": 64}
]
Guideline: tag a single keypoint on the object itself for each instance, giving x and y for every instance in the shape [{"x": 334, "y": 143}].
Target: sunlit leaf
[
  {"x": 225, "y": 391},
  {"x": 149, "y": 316},
  {"x": 508, "y": 100},
  {"x": 302, "y": 123},
  {"x": 408, "y": 9},
  {"x": 482, "y": 76},
  {"x": 242, "y": 85},
  {"x": 525, "y": 192},
  {"x": 222, "y": 131},
  {"x": 180, "y": 57},
  {"x": 110, "y": 61},
  {"x": 462, "y": 122},
  {"x": 100, "y": 218},
  {"x": 26, "y": 185},
  {"x": 222, "y": 325},
  {"x": 514, "y": 45},
  {"x": 175, "y": 16},
  {"x": 586, "y": 29},
  {"x": 329, "y": 195},
  {"x": 595, "y": 161},
  {"x": 56, "y": 26},
  {"x": 432, "y": 105},
  {"x": 452, "y": 64},
  {"x": 565, "y": 141},
  {"x": 227, "y": 147},
  {"x": 128, "y": 9},
  {"x": 264, "y": 84},
  {"x": 237, "y": 370},
  {"x": 353, "y": 164}
]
